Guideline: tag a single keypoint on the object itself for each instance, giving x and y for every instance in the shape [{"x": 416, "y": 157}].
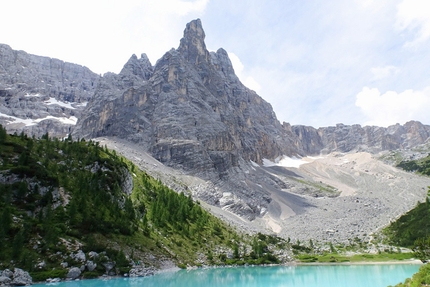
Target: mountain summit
[{"x": 192, "y": 101}]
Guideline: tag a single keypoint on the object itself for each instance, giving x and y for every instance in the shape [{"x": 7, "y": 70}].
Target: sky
[{"x": 318, "y": 63}]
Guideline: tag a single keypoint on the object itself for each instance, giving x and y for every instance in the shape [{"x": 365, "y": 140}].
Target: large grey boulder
[
  {"x": 79, "y": 256},
  {"x": 91, "y": 265},
  {"x": 7, "y": 273},
  {"x": 4, "y": 280},
  {"x": 109, "y": 266},
  {"x": 21, "y": 278},
  {"x": 73, "y": 273}
]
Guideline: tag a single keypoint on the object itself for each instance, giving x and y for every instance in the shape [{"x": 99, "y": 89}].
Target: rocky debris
[
  {"x": 73, "y": 273},
  {"x": 141, "y": 271},
  {"x": 53, "y": 280},
  {"x": 78, "y": 256},
  {"x": 4, "y": 281},
  {"x": 109, "y": 266},
  {"x": 21, "y": 278},
  {"x": 91, "y": 265},
  {"x": 7, "y": 273}
]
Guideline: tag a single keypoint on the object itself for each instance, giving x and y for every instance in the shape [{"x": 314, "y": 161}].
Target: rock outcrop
[
  {"x": 41, "y": 94},
  {"x": 344, "y": 138},
  {"x": 21, "y": 278}
]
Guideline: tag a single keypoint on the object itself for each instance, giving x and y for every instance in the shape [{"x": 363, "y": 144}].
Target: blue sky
[{"x": 318, "y": 63}]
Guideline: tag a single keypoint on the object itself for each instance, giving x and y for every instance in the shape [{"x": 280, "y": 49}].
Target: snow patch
[
  {"x": 268, "y": 163},
  {"x": 254, "y": 163},
  {"x": 291, "y": 162},
  {"x": 32, "y": 122},
  {"x": 84, "y": 104},
  {"x": 287, "y": 161},
  {"x": 32, "y": 95},
  {"x": 54, "y": 101}
]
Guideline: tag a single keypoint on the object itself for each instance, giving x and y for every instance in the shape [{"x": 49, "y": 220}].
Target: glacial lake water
[{"x": 378, "y": 275}]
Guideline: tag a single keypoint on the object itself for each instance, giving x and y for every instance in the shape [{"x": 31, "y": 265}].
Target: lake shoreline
[
  {"x": 293, "y": 263},
  {"x": 292, "y": 274}
]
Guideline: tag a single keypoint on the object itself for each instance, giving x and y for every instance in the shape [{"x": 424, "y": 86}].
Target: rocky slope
[{"x": 41, "y": 94}]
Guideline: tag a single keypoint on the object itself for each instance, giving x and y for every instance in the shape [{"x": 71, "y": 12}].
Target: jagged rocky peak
[
  {"x": 192, "y": 114},
  {"x": 139, "y": 67},
  {"x": 192, "y": 45}
]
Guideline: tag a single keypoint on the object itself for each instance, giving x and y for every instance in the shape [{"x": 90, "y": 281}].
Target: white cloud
[
  {"x": 99, "y": 34},
  {"x": 383, "y": 72},
  {"x": 414, "y": 15},
  {"x": 392, "y": 107},
  {"x": 238, "y": 67}
]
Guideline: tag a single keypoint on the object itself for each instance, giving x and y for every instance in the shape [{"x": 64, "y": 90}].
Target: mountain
[
  {"x": 41, "y": 94},
  {"x": 343, "y": 138},
  {"x": 191, "y": 100},
  {"x": 189, "y": 121}
]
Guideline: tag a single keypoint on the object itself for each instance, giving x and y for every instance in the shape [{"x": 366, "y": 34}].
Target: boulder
[
  {"x": 7, "y": 273},
  {"x": 73, "y": 273},
  {"x": 109, "y": 266},
  {"x": 91, "y": 265},
  {"x": 79, "y": 256},
  {"x": 4, "y": 280},
  {"x": 141, "y": 271},
  {"x": 21, "y": 278}
]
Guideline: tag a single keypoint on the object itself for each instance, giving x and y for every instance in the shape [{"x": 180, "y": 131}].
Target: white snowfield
[
  {"x": 72, "y": 120},
  {"x": 53, "y": 101},
  {"x": 286, "y": 161},
  {"x": 32, "y": 122}
]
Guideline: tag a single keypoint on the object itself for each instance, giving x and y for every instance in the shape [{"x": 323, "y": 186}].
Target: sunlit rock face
[{"x": 41, "y": 94}]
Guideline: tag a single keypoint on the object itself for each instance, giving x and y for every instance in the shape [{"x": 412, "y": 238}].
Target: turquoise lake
[{"x": 274, "y": 276}]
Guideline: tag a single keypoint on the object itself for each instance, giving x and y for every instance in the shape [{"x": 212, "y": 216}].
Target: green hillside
[
  {"x": 60, "y": 196},
  {"x": 416, "y": 223},
  {"x": 412, "y": 230}
]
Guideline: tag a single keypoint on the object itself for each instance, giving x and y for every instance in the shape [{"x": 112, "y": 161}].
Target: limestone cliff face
[
  {"x": 41, "y": 94},
  {"x": 190, "y": 110},
  {"x": 343, "y": 138}
]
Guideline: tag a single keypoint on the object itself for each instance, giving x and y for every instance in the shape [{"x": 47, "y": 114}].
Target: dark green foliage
[
  {"x": 78, "y": 172},
  {"x": 421, "y": 166},
  {"x": 43, "y": 275},
  {"x": 421, "y": 278},
  {"x": 422, "y": 248},
  {"x": 411, "y": 226}
]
